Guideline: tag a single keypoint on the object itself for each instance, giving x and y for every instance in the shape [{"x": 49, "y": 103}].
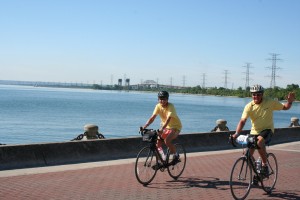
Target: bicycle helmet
[
  {"x": 163, "y": 94},
  {"x": 256, "y": 89}
]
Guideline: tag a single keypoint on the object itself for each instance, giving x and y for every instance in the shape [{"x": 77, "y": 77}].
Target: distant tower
[
  {"x": 247, "y": 84},
  {"x": 203, "y": 80},
  {"x": 273, "y": 69},
  {"x": 127, "y": 82},
  {"x": 183, "y": 81},
  {"x": 119, "y": 82},
  {"x": 226, "y": 77}
]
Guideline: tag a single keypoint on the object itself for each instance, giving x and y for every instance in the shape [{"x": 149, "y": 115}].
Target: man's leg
[
  {"x": 264, "y": 136},
  {"x": 262, "y": 149},
  {"x": 159, "y": 143},
  {"x": 263, "y": 154}
]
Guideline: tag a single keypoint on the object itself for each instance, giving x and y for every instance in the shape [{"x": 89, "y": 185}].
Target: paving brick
[{"x": 205, "y": 177}]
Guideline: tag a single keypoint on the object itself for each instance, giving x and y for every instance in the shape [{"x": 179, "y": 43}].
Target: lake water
[{"x": 37, "y": 114}]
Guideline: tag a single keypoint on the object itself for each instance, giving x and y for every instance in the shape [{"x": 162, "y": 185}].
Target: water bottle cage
[{"x": 258, "y": 164}]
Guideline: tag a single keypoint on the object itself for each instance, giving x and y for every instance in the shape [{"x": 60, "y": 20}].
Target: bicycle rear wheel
[
  {"x": 145, "y": 165},
  {"x": 177, "y": 168},
  {"x": 240, "y": 179},
  {"x": 268, "y": 182}
]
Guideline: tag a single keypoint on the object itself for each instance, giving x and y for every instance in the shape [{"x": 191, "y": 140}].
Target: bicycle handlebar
[
  {"x": 142, "y": 130},
  {"x": 251, "y": 141},
  {"x": 232, "y": 141}
]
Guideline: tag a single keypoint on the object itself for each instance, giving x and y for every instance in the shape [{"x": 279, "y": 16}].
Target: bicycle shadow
[
  {"x": 193, "y": 182},
  {"x": 205, "y": 182},
  {"x": 284, "y": 195},
  {"x": 216, "y": 184}
]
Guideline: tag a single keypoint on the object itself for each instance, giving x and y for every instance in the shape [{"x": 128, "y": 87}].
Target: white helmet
[{"x": 256, "y": 88}]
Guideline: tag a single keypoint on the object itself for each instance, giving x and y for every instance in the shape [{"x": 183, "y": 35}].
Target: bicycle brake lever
[
  {"x": 231, "y": 141},
  {"x": 141, "y": 130}
]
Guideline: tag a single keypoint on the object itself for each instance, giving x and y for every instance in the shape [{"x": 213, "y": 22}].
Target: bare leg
[
  {"x": 159, "y": 143},
  {"x": 169, "y": 139},
  {"x": 262, "y": 150}
]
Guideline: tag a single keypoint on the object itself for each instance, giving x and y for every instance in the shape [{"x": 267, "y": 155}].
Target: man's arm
[
  {"x": 239, "y": 127},
  {"x": 290, "y": 99}
]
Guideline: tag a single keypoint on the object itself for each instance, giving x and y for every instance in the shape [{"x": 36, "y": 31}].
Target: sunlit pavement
[{"x": 206, "y": 177}]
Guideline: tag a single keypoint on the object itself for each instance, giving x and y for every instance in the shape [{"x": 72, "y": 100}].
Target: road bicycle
[
  {"x": 149, "y": 160},
  {"x": 241, "y": 179}
]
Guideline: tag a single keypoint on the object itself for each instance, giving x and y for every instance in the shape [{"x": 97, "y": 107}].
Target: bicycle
[
  {"x": 241, "y": 179},
  {"x": 149, "y": 160}
]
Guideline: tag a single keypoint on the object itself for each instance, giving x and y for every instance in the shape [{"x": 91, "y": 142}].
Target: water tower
[{"x": 119, "y": 82}]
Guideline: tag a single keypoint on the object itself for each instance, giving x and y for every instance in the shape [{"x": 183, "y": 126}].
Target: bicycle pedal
[{"x": 255, "y": 180}]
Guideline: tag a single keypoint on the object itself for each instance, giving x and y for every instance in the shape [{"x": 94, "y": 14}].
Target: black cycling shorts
[{"x": 267, "y": 135}]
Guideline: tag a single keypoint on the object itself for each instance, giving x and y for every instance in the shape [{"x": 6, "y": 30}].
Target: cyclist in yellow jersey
[
  {"x": 170, "y": 122},
  {"x": 260, "y": 111}
]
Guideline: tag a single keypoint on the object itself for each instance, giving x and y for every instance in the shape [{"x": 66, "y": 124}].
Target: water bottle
[
  {"x": 161, "y": 152},
  {"x": 258, "y": 164}
]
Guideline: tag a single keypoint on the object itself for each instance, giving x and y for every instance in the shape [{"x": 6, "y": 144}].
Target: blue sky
[{"x": 172, "y": 41}]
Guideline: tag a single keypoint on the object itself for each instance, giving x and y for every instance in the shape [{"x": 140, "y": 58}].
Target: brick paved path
[{"x": 206, "y": 177}]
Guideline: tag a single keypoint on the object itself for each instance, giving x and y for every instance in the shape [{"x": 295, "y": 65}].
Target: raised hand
[{"x": 291, "y": 97}]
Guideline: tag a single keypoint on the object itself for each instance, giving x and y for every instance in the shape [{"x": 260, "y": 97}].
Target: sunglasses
[
  {"x": 163, "y": 99},
  {"x": 256, "y": 94}
]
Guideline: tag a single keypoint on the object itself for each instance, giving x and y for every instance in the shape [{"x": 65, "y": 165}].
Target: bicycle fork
[{"x": 243, "y": 176}]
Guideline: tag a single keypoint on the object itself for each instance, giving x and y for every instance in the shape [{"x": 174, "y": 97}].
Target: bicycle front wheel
[
  {"x": 240, "y": 179},
  {"x": 145, "y": 165},
  {"x": 176, "y": 169},
  {"x": 268, "y": 182}
]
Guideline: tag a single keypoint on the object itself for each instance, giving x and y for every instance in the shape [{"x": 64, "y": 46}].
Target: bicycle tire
[
  {"x": 268, "y": 183},
  {"x": 177, "y": 169},
  {"x": 240, "y": 179},
  {"x": 144, "y": 170}
]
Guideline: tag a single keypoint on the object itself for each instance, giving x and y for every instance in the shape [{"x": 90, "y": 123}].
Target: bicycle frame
[
  {"x": 154, "y": 148},
  {"x": 250, "y": 159}
]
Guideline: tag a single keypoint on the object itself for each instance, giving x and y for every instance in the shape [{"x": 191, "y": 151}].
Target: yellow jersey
[
  {"x": 164, "y": 113},
  {"x": 261, "y": 115}
]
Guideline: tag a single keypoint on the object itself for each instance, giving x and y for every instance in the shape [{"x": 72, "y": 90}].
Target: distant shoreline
[{"x": 30, "y": 84}]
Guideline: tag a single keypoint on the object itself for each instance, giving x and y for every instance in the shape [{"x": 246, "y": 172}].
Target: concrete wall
[{"x": 47, "y": 154}]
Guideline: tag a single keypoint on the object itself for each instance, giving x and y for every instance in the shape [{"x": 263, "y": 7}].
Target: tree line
[{"x": 276, "y": 92}]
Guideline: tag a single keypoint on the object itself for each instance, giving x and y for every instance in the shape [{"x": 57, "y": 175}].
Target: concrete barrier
[{"x": 48, "y": 154}]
